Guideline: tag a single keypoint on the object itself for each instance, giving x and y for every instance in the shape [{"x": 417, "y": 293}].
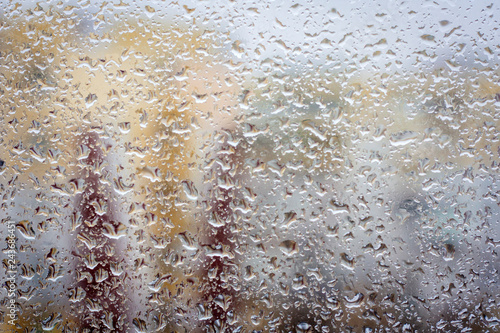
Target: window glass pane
[{"x": 271, "y": 166}]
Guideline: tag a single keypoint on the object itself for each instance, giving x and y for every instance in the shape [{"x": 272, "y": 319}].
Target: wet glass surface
[{"x": 270, "y": 166}]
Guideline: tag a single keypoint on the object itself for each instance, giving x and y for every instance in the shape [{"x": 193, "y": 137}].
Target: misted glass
[{"x": 250, "y": 166}]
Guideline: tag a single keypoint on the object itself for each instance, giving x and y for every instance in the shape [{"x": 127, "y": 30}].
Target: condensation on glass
[{"x": 267, "y": 166}]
